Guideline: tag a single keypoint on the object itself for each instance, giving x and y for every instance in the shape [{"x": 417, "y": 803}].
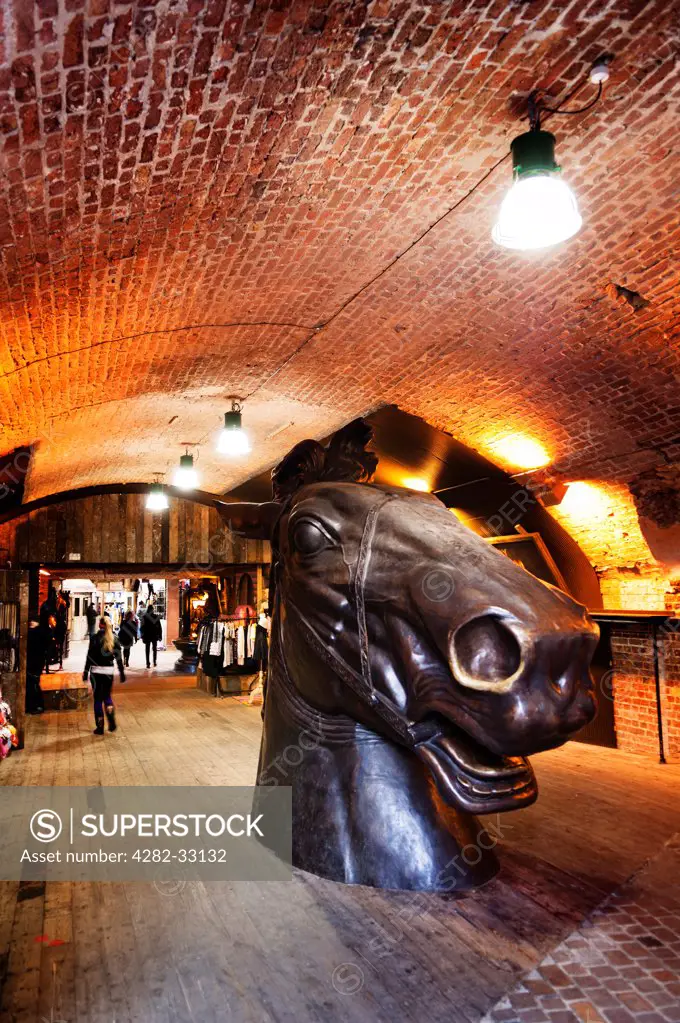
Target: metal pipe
[{"x": 657, "y": 683}]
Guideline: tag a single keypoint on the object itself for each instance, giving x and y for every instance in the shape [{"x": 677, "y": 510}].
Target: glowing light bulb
[
  {"x": 185, "y": 476},
  {"x": 520, "y": 451},
  {"x": 540, "y": 209},
  {"x": 157, "y": 499},
  {"x": 415, "y": 483},
  {"x": 233, "y": 441},
  {"x": 537, "y": 212},
  {"x": 585, "y": 502}
]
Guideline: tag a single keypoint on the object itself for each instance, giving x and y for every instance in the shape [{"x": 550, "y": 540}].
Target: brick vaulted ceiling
[{"x": 292, "y": 202}]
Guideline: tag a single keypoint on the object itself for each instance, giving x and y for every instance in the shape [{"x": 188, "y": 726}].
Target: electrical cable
[
  {"x": 151, "y": 333},
  {"x": 570, "y": 113},
  {"x": 400, "y": 255},
  {"x": 314, "y": 331}
]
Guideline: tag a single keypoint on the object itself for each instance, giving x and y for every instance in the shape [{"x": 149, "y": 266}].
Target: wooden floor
[{"x": 309, "y": 950}]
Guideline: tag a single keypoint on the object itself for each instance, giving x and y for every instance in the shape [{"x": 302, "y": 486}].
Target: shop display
[
  {"x": 261, "y": 656},
  {"x": 229, "y": 643},
  {"x": 9, "y": 637},
  {"x": 412, "y": 669},
  {"x": 9, "y": 739}
]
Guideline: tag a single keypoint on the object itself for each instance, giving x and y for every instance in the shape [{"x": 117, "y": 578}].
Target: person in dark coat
[
  {"x": 152, "y": 631},
  {"x": 35, "y": 661},
  {"x": 48, "y": 623},
  {"x": 48, "y": 630},
  {"x": 91, "y": 615},
  {"x": 128, "y": 636},
  {"x": 103, "y": 650},
  {"x": 61, "y": 627},
  {"x": 48, "y": 607}
]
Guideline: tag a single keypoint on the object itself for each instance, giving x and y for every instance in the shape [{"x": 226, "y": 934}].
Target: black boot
[
  {"x": 99, "y": 730},
  {"x": 111, "y": 717}
]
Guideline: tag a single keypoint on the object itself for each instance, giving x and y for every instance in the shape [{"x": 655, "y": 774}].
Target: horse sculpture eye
[{"x": 309, "y": 538}]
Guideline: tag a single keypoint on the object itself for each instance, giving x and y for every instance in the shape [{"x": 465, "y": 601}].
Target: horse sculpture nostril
[{"x": 486, "y": 652}]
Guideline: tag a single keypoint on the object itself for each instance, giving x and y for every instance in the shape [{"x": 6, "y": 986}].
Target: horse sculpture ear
[
  {"x": 345, "y": 460},
  {"x": 249, "y": 519}
]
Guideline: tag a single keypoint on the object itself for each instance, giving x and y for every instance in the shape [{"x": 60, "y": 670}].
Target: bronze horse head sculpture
[{"x": 412, "y": 670}]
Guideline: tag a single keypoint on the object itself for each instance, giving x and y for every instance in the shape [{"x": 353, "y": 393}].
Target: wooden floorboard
[{"x": 290, "y": 953}]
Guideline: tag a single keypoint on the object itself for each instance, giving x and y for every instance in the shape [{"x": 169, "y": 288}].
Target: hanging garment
[
  {"x": 204, "y": 638},
  {"x": 216, "y": 639},
  {"x": 228, "y": 651},
  {"x": 250, "y": 641},
  {"x": 240, "y": 644},
  {"x": 211, "y": 665},
  {"x": 261, "y": 645}
]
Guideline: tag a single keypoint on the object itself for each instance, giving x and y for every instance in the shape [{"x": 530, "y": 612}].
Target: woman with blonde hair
[{"x": 103, "y": 650}]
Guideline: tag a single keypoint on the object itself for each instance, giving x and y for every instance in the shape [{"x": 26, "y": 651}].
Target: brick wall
[
  {"x": 605, "y": 524},
  {"x": 635, "y": 590},
  {"x": 634, "y": 690}
]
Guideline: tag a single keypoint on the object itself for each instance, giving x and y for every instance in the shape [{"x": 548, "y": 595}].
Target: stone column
[{"x": 172, "y": 610}]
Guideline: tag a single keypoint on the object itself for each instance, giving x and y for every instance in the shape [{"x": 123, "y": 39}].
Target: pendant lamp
[
  {"x": 233, "y": 440},
  {"x": 185, "y": 476},
  {"x": 540, "y": 209},
  {"x": 157, "y": 499}
]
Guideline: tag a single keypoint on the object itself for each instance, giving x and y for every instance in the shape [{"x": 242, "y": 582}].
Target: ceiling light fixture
[
  {"x": 157, "y": 499},
  {"x": 417, "y": 483},
  {"x": 519, "y": 450},
  {"x": 540, "y": 209},
  {"x": 586, "y": 502},
  {"x": 185, "y": 476},
  {"x": 233, "y": 440}
]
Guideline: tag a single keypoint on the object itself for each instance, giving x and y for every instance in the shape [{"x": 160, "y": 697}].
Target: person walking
[
  {"x": 61, "y": 627},
  {"x": 35, "y": 662},
  {"x": 104, "y": 649},
  {"x": 49, "y": 628},
  {"x": 48, "y": 623},
  {"x": 128, "y": 635},
  {"x": 91, "y": 615},
  {"x": 152, "y": 631}
]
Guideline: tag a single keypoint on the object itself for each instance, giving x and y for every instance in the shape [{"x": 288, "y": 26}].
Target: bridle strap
[
  {"x": 331, "y": 728},
  {"x": 356, "y": 683},
  {"x": 359, "y": 582}
]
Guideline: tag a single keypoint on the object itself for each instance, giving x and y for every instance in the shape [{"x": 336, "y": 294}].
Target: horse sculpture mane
[
  {"x": 345, "y": 460},
  {"x": 412, "y": 668}
]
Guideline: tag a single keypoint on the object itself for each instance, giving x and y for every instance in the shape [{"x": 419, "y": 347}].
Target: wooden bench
[{"x": 64, "y": 690}]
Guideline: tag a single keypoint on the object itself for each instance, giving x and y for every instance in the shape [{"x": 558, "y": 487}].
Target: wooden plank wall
[
  {"x": 10, "y": 586},
  {"x": 117, "y": 529}
]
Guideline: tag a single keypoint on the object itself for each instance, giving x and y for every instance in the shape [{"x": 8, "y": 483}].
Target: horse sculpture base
[{"x": 368, "y": 813}]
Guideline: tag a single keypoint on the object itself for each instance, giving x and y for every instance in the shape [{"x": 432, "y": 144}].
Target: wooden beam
[{"x": 148, "y": 569}]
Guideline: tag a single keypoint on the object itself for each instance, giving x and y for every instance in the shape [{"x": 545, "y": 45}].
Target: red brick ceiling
[{"x": 293, "y": 202}]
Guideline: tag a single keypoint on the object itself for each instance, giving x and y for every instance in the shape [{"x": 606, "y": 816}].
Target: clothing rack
[{"x": 232, "y": 644}]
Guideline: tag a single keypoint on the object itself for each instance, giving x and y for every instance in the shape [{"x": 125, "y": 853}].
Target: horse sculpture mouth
[{"x": 471, "y": 777}]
